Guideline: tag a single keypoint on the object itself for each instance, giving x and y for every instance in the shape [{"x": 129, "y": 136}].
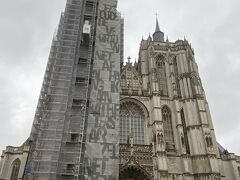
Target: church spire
[
  {"x": 158, "y": 35},
  {"x": 157, "y": 29}
]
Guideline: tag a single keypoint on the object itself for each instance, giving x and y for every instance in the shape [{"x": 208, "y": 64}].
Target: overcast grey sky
[{"x": 212, "y": 27}]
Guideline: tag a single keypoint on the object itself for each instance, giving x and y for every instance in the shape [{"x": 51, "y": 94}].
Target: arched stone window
[
  {"x": 161, "y": 75},
  {"x": 15, "y": 169},
  {"x": 131, "y": 120},
  {"x": 185, "y": 131},
  {"x": 168, "y": 131}
]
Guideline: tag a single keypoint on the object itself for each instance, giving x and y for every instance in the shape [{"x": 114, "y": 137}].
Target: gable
[{"x": 130, "y": 78}]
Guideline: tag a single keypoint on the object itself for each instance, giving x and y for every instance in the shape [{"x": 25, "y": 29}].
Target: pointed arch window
[
  {"x": 131, "y": 120},
  {"x": 15, "y": 169},
  {"x": 168, "y": 130},
  {"x": 186, "y": 143},
  {"x": 162, "y": 77},
  {"x": 176, "y": 76}
]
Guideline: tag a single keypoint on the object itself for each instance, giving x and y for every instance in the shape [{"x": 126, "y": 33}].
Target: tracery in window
[
  {"x": 161, "y": 73},
  {"x": 15, "y": 169},
  {"x": 168, "y": 131},
  {"x": 131, "y": 119},
  {"x": 185, "y": 131}
]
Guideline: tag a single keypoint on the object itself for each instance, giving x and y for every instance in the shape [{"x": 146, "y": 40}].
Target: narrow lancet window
[
  {"x": 162, "y": 77},
  {"x": 176, "y": 76},
  {"x": 168, "y": 131},
  {"x": 185, "y": 131}
]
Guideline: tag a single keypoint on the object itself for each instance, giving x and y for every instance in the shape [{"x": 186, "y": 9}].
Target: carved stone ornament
[{"x": 132, "y": 169}]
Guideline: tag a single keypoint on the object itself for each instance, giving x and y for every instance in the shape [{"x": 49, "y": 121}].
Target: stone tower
[{"x": 166, "y": 131}]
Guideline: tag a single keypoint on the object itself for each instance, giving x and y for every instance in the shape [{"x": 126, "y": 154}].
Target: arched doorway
[{"x": 134, "y": 173}]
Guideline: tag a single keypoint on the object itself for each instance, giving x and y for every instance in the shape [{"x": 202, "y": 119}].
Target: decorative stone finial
[{"x": 129, "y": 59}]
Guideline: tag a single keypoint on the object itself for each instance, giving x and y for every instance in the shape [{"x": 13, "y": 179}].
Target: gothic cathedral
[
  {"x": 98, "y": 119},
  {"x": 166, "y": 131}
]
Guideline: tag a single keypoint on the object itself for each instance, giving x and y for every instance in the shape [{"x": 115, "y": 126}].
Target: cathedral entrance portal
[{"x": 134, "y": 173}]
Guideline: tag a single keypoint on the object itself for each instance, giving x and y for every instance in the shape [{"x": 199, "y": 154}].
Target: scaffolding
[
  {"x": 59, "y": 127},
  {"x": 73, "y": 146}
]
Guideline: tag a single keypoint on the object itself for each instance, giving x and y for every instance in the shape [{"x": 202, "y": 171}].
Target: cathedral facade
[
  {"x": 166, "y": 131},
  {"x": 99, "y": 119}
]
